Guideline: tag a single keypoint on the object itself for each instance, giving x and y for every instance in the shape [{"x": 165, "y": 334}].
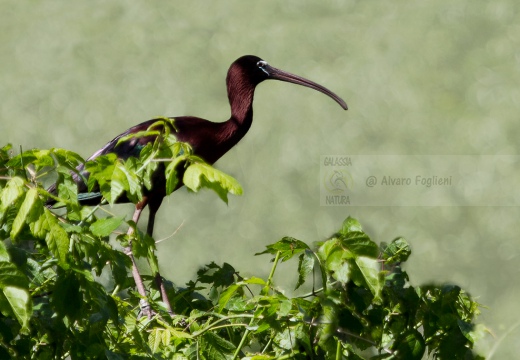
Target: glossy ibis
[{"x": 209, "y": 140}]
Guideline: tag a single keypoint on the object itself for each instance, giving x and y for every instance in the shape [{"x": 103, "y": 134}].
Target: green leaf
[
  {"x": 179, "y": 148},
  {"x": 40, "y": 227},
  {"x": 104, "y": 227},
  {"x": 227, "y": 295},
  {"x": 101, "y": 170},
  {"x": 43, "y": 158},
  {"x": 12, "y": 191},
  {"x": 471, "y": 331},
  {"x": 67, "y": 158},
  {"x": 68, "y": 190},
  {"x": 132, "y": 179},
  {"x": 284, "y": 339},
  {"x": 67, "y": 298},
  {"x": 22, "y": 160},
  {"x": 137, "y": 135},
  {"x": 217, "y": 347},
  {"x": 252, "y": 281},
  {"x": 288, "y": 247},
  {"x": 150, "y": 169},
  {"x": 4, "y": 255},
  {"x": 200, "y": 174},
  {"x": 10, "y": 276},
  {"x": 334, "y": 257},
  {"x": 397, "y": 251},
  {"x": 410, "y": 345},
  {"x": 35, "y": 157},
  {"x": 179, "y": 334},
  {"x": 171, "y": 173},
  {"x": 350, "y": 225},
  {"x": 285, "y": 307},
  {"x": 31, "y": 199},
  {"x": 262, "y": 357},
  {"x": 57, "y": 239},
  {"x": 21, "y": 305},
  {"x": 305, "y": 266},
  {"x": 155, "y": 339},
  {"x": 370, "y": 270},
  {"x": 143, "y": 246},
  {"x": 217, "y": 275},
  {"x": 4, "y": 152},
  {"x": 118, "y": 184},
  {"x": 359, "y": 244}
]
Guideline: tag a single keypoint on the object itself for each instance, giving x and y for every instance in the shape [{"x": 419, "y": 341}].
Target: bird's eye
[{"x": 261, "y": 65}]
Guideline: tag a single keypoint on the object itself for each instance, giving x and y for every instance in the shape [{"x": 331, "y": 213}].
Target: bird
[{"x": 208, "y": 140}]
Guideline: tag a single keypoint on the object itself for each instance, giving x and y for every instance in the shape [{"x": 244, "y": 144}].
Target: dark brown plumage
[{"x": 209, "y": 140}]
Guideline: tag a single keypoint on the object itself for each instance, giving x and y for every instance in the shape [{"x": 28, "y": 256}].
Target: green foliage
[{"x": 52, "y": 305}]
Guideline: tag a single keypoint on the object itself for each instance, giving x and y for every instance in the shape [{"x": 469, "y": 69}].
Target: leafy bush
[{"x": 53, "y": 306}]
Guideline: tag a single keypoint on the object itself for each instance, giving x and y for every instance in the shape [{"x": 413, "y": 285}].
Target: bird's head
[{"x": 252, "y": 70}]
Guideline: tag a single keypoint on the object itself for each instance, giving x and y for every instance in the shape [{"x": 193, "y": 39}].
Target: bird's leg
[
  {"x": 145, "y": 305},
  {"x": 152, "y": 207}
]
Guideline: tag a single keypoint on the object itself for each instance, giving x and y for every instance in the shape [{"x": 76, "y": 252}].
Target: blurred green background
[{"x": 420, "y": 77}]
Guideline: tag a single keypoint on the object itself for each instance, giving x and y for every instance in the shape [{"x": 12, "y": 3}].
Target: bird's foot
[{"x": 146, "y": 310}]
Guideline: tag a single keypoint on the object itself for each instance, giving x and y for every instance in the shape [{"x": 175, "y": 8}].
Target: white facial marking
[{"x": 261, "y": 64}]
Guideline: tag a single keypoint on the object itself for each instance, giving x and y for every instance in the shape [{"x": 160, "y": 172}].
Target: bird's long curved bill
[{"x": 277, "y": 74}]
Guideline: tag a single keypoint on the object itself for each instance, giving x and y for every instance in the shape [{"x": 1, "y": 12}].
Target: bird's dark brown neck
[
  {"x": 227, "y": 134},
  {"x": 212, "y": 140},
  {"x": 234, "y": 129},
  {"x": 240, "y": 94}
]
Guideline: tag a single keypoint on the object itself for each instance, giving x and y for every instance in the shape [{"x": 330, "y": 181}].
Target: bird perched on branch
[{"x": 209, "y": 140}]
